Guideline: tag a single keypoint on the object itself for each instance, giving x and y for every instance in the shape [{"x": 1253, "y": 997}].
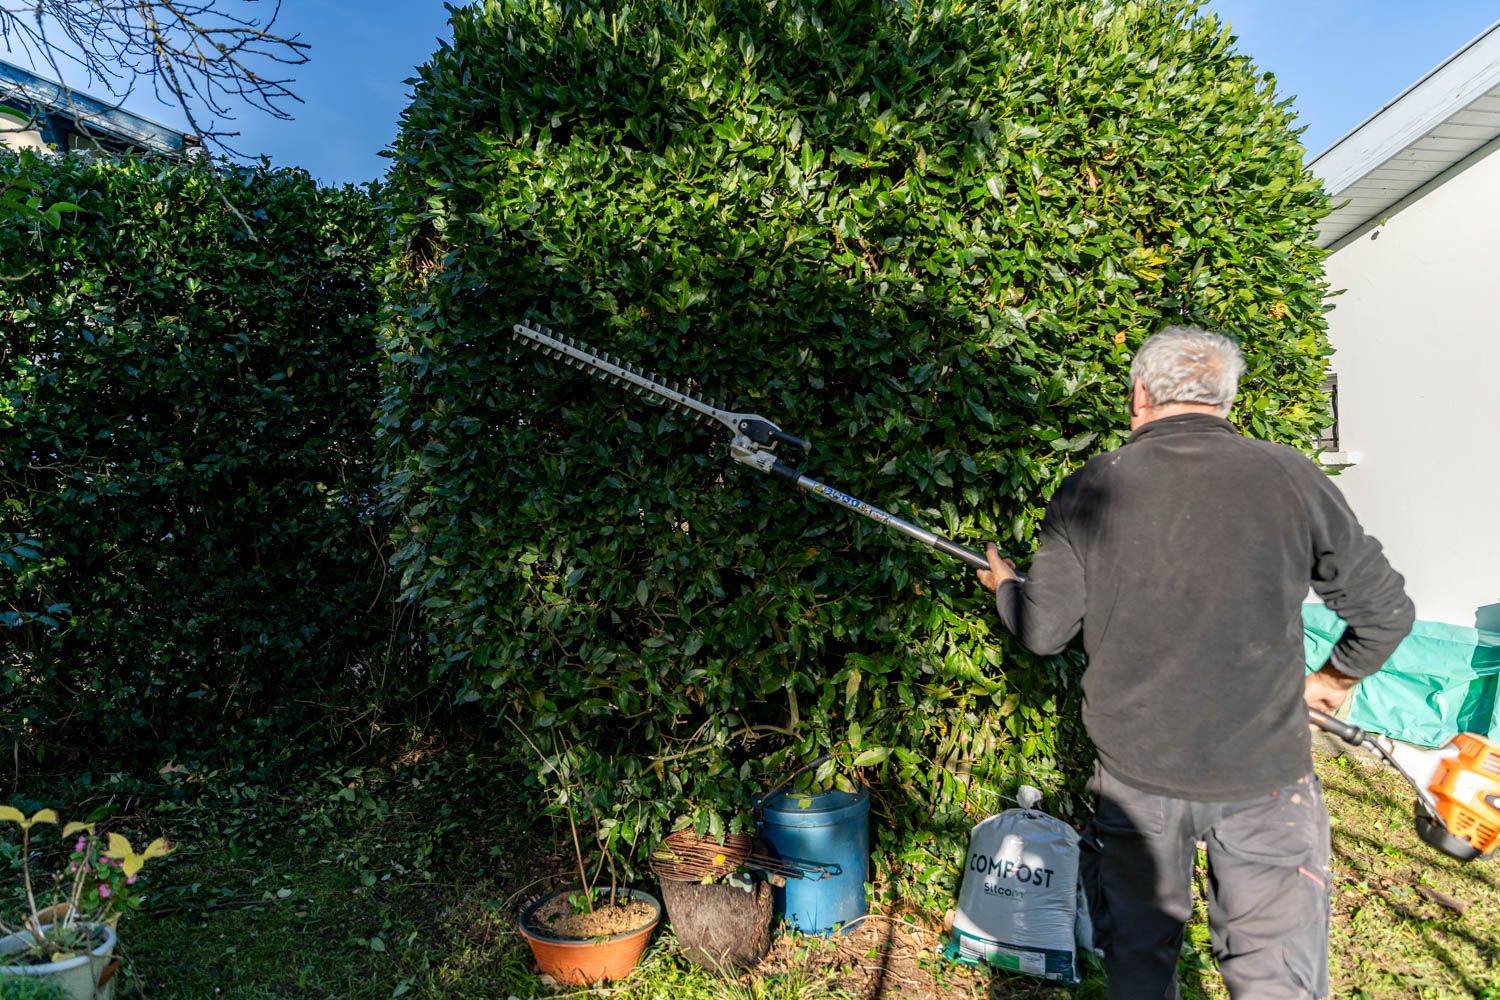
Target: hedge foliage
[
  {"x": 927, "y": 237},
  {"x": 189, "y": 540}
]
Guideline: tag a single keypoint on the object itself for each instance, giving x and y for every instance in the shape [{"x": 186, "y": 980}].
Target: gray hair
[{"x": 1186, "y": 364}]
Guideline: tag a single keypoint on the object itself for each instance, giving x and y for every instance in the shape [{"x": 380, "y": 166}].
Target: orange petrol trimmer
[{"x": 1457, "y": 785}]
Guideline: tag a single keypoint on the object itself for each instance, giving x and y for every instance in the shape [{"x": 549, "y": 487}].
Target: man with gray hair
[{"x": 1184, "y": 556}]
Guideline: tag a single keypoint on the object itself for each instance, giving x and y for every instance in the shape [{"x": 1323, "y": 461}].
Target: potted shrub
[
  {"x": 64, "y": 945},
  {"x": 589, "y": 936},
  {"x": 589, "y": 933}
]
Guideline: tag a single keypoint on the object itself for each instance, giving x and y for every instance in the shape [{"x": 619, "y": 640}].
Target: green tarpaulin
[{"x": 1440, "y": 681}]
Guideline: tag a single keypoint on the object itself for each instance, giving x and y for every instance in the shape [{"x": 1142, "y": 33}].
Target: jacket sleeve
[
  {"x": 1046, "y": 611},
  {"x": 1352, "y": 576}
]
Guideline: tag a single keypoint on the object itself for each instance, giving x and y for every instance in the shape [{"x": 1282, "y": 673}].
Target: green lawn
[{"x": 401, "y": 891}]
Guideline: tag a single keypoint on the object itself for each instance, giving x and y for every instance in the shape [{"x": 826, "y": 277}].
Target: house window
[{"x": 1329, "y": 439}]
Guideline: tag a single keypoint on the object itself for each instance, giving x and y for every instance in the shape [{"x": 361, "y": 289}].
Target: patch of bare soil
[
  {"x": 529, "y": 868},
  {"x": 892, "y": 958},
  {"x": 565, "y": 916}
]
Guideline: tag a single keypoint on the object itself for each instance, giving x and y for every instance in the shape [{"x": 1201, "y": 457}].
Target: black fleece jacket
[{"x": 1185, "y": 556}]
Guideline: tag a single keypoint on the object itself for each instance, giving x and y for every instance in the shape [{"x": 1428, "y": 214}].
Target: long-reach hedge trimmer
[{"x": 754, "y": 435}]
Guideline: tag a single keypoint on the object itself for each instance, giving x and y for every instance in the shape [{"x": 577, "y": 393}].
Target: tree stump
[{"x": 719, "y": 927}]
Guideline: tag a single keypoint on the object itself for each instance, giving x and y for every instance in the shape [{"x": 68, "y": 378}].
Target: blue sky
[{"x": 1342, "y": 59}]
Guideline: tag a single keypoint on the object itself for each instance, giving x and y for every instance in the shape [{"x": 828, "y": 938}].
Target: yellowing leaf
[
  {"x": 131, "y": 862},
  {"x": 119, "y": 848},
  {"x": 14, "y": 815},
  {"x": 73, "y": 828}
]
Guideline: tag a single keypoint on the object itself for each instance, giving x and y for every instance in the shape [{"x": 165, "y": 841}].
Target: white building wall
[
  {"x": 16, "y": 133},
  {"x": 1417, "y": 336}
]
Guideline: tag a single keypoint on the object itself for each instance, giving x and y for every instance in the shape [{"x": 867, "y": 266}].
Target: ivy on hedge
[
  {"x": 928, "y": 238},
  {"x": 190, "y": 550}
]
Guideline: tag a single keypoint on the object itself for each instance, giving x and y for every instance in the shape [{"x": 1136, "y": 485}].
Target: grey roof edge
[
  {"x": 1448, "y": 87},
  {"x": 108, "y": 118},
  {"x": 1406, "y": 201}
]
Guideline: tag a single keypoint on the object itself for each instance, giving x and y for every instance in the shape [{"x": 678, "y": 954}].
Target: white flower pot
[{"x": 76, "y": 976}]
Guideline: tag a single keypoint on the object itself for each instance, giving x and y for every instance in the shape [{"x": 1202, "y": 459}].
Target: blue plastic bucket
[{"x": 828, "y": 830}]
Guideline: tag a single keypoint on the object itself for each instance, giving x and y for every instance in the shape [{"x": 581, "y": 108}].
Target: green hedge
[
  {"x": 926, "y": 238},
  {"x": 189, "y": 540}
]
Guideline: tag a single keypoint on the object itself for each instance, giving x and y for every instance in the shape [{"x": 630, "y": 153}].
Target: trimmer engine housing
[{"x": 1466, "y": 794}]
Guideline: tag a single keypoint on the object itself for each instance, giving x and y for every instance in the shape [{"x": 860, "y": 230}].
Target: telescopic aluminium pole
[{"x": 817, "y": 489}]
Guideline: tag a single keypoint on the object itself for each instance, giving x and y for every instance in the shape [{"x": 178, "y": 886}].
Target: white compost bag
[{"x": 1020, "y": 904}]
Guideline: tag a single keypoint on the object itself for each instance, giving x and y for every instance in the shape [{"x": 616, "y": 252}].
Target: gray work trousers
[{"x": 1268, "y": 889}]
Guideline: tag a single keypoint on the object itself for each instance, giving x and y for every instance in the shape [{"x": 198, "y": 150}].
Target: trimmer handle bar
[{"x": 1346, "y": 731}]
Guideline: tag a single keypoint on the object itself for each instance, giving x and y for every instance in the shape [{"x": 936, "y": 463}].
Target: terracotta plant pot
[{"x": 579, "y": 963}]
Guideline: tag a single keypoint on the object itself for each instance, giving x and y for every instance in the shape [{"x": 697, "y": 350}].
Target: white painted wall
[
  {"x": 15, "y": 133},
  {"x": 1417, "y": 336}
]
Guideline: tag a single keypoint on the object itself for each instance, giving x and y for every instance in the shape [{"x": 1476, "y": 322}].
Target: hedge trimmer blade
[
  {"x": 754, "y": 435},
  {"x": 615, "y": 372}
]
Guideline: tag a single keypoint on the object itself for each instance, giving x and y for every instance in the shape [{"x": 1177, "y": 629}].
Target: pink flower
[
  {"x": 82, "y": 843},
  {"x": 72, "y": 866},
  {"x": 130, "y": 880},
  {"x": 103, "y": 891}
]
